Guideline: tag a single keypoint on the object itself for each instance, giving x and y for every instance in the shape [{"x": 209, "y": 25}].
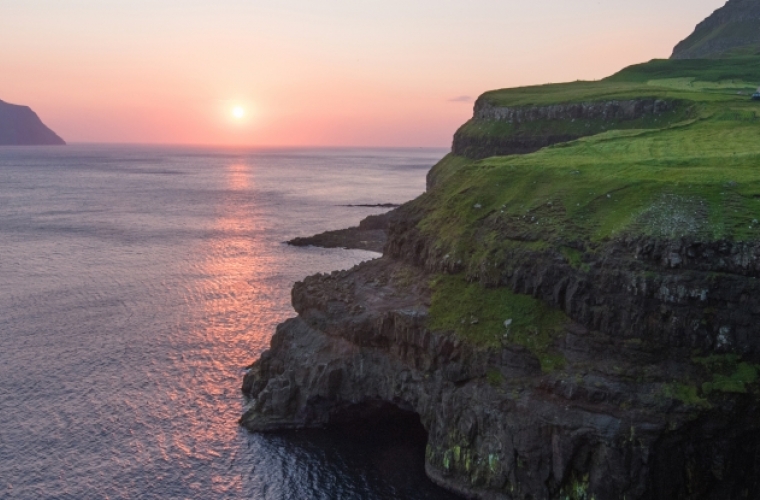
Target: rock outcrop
[
  {"x": 536, "y": 127},
  {"x": 370, "y": 234},
  {"x": 576, "y": 324},
  {"x": 20, "y": 126},
  {"x": 611, "y": 111},
  {"x": 734, "y": 29},
  {"x": 620, "y": 420}
]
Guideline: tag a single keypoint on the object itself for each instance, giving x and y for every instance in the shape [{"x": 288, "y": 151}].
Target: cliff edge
[
  {"x": 20, "y": 126},
  {"x": 571, "y": 308}
]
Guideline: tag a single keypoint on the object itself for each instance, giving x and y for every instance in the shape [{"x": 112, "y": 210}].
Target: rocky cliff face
[
  {"x": 20, "y": 126},
  {"x": 535, "y": 127},
  {"x": 611, "y": 111},
  {"x": 575, "y": 324},
  {"x": 620, "y": 419},
  {"x": 732, "y": 29}
]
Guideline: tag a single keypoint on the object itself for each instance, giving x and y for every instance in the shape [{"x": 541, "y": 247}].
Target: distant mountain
[
  {"x": 734, "y": 29},
  {"x": 20, "y": 126}
]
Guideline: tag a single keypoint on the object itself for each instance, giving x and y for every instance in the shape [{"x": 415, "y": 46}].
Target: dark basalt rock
[
  {"x": 606, "y": 426},
  {"x": 370, "y": 234},
  {"x": 20, "y": 126},
  {"x": 624, "y": 418},
  {"x": 658, "y": 395},
  {"x": 681, "y": 293},
  {"x": 478, "y": 147}
]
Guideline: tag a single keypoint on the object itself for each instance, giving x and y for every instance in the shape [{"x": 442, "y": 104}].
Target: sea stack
[{"x": 20, "y": 126}]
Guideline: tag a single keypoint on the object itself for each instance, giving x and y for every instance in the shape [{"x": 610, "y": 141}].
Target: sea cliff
[
  {"x": 574, "y": 322},
  {"x": 20, "y": 126}
]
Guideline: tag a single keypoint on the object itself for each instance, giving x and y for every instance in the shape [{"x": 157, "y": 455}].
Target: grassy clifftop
[
  {"x": 648, "y": 96},
  {"x": 692, "y": 79},
  {"x": 694, "y": 171}
]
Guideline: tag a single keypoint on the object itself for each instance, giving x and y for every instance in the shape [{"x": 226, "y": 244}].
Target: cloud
[{"x": 461, "y": 98}]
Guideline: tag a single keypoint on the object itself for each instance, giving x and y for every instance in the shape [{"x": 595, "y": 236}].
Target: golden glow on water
[
  {"x": 238, "y": 177},
  {"x": 235, "y": 312},
  {"x": 140, "y": 285}
]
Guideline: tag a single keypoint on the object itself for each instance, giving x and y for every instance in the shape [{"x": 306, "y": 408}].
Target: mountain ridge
[
  {"x": 20, "y": 126},
  {"x": 733, "y": 29}
]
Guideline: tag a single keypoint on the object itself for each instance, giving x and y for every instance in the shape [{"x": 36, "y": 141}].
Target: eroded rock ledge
[
  {"x": 370, "y": 234},
  {"x": 610, "y": 425},
  {"x": 610, "y": 111},
  {"x": 536, "y": 127}
]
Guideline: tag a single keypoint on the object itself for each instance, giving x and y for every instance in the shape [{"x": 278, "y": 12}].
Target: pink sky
[{"x": 328, "y": 73}]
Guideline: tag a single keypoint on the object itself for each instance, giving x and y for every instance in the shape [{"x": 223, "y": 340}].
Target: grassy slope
[
  {"x": 685, "y": 82},
  {"x": 736, "y": 38},
  {"x": 699, "y": 177},
  {"x": 720, "y": 80}
]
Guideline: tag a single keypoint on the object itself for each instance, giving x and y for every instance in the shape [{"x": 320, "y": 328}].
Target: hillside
[
  {"x": 732, "y": 30},
  {"x": 20, "y": 126},
  {"x": 571, "y": 310},
  {"x": 700, "y": 147},
  {"x": 643, "y": 97}
]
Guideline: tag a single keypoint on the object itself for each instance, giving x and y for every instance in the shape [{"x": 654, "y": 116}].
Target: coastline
[
  {"x": 371, "y": 234},
  {"x": 565, "y": 323}
]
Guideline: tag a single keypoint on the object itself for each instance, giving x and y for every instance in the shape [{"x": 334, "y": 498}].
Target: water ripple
[{"x": 131, "y": 300}]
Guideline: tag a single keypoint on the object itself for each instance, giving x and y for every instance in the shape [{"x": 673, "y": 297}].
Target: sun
[{"x": 238, "y": 112}]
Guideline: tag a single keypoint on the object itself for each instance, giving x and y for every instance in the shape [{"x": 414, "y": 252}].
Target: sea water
[{"x": 137, "y": 283}]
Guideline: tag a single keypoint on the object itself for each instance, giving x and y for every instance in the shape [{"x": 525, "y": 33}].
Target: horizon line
[{"x": 247, "y": 146}]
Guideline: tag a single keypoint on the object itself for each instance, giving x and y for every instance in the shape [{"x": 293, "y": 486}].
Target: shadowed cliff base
[{"x": 378, "y": 442}]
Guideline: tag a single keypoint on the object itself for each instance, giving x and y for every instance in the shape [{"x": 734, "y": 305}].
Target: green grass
[
  {"x": 740, "y": 68},
  {"x": 729, "y": 374},
  {"x": 717, "y": 80},
  {"x": 448, "y": 165},
  {"x": 733, "y": 38},
  {"x": 694, "y": 174},
  {"x": 494, "y": 378},
  {"x": 608, "y": 90},
  {"x": 724, "y": 374},
  {"x": 475, "y": 128},
  {"x": 574, "y": 258},
  {"x": 699, "y": 178},
  {"x": 477, "y": 315},
  {"x": 686, "y": 394},
  {"x": 692, "y": 87}
]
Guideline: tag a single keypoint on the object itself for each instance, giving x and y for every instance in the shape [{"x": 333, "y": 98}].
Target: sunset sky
[{"x": 309, "y": 72}]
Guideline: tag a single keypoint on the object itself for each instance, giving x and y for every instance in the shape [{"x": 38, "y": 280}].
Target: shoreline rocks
[
  {"x": 371, "y": 234},
  {"x": 610, "y": 425}
]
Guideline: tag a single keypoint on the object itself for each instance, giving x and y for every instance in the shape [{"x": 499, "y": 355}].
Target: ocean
[{"x": 138, "y": 282}]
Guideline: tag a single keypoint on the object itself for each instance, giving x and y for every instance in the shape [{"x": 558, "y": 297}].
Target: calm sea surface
[{"x": 136, "y": 283}]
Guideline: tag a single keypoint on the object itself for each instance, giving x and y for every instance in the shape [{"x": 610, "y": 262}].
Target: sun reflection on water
[{"x": 235, "y": 309}]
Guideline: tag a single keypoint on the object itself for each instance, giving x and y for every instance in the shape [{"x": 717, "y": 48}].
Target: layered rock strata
[
  {"x": 619, "y": 420},
  {"x": 370, "y": 234},
  {"x": 524, "y": 139},
  {"x": 610, "y": 111}
]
